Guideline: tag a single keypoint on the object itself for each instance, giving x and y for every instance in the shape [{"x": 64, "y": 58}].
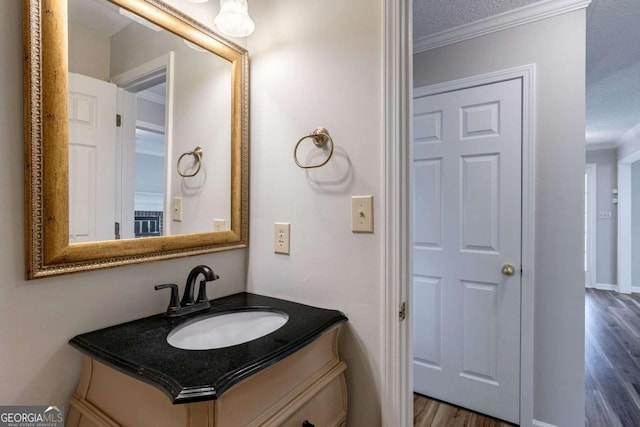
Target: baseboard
[
  {"x": 537, "y": 423},
  {"x": 604, "y": 287}
]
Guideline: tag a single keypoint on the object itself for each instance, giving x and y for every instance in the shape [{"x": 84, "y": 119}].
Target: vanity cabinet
[{"x": 308, "y": 385}]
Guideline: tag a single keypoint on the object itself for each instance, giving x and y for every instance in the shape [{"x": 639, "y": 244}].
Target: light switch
[
  {"x": 604, "y": 215},
  {"x": 176, "y": 211},
  {"x": 362, "y": 214}
]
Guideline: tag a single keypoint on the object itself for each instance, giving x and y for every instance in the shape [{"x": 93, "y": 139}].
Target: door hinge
[
  {"x": 118, "y": 120},
  {"x": 403, "y": 311}
]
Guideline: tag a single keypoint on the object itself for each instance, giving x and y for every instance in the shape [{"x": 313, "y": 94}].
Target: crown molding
[
  {"x": 152, "y": 97},
  {"x": 512, "y": 18},
  {"x": 595, "y": 146},
  {"x": 630, "y": 135}
]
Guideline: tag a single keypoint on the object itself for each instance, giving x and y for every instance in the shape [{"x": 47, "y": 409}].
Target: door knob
[{"x": 508, "y": 270}]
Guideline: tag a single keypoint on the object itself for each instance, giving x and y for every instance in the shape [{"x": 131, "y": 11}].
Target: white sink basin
[{"x": 225, "y": 330}]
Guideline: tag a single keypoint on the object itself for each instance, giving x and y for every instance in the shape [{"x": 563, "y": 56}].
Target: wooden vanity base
[{"x": 308, "y": 385}]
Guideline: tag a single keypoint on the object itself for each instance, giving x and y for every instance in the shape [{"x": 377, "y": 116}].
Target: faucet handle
[{"x": 174, "y": 302}]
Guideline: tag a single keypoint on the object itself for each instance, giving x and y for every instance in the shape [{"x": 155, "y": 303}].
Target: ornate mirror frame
[{"x": 47, "y": 248}]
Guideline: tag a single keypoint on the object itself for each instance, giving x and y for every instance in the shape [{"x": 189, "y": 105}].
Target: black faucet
[
  {"x": 209, "y": 276},
  {"x": 188, "y": 304}
]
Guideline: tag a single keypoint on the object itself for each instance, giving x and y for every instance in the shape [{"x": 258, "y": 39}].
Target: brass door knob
[{"x": 508, "y": 270}]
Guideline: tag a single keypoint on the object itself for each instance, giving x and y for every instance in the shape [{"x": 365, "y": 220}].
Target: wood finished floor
[
  {"x": 612, "y": 359},
  {"x": 612, "y": 370},
  {"x": 433, "y": 413}
]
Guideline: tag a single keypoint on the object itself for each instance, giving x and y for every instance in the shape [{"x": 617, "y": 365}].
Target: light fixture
[
  {"x": 233, "y": 19},
  {"x": 194, "y": 46}
]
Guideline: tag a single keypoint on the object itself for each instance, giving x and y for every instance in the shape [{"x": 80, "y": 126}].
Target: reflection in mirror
[
  {"x": 140, "y": 97},
  {"x": 83, "y": 217}
]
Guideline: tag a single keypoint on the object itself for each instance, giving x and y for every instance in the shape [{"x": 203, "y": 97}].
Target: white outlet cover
[{"x": 281, "y": 237}]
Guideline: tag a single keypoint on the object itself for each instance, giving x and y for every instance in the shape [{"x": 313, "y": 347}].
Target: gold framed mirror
[{"x": 51, "y": 245}]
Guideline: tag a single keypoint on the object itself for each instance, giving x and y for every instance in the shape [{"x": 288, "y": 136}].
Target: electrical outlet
[
  {"x": 362, "y": 214},
  {"x": 219, "y": 224},
  {"x": 281, "y": 237},
  {"x": 176, "y": 213}
]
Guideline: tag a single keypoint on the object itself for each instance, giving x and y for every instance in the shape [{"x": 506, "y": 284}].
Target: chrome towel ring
[
  {"x": 320, "y": 137},
  {"x": 197, "y": 153}
]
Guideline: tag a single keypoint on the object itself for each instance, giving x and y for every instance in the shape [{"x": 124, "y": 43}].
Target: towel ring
[
  {"x": 197, "y": 153},
  {"x": 320, "y": 137}
]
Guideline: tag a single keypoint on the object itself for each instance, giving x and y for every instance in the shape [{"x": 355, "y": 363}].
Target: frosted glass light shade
[{"x": 233, "y": 19}]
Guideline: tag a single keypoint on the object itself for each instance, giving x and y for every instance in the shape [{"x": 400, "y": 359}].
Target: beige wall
[
  {"x": 319, "y": 63},
  {"x": 557, "y": 47},
  {"x": 37, "y": 366},
  {"x": 89, "y": 52}
]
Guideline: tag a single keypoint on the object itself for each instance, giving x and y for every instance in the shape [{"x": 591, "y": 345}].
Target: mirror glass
[{"x": 141, "y": 100}]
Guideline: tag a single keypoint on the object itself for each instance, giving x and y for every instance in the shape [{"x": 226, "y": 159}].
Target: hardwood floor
[
  {"x": 433, "y": 413},
  {"x": 612, "y": 370},
  {"x": 612, "y": 359}
]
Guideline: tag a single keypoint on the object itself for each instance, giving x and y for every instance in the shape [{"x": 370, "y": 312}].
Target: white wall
[
  {"x": 557, "y": 47},
  {"x": 89, "y": 52},
  {"x": 149, "y": 177},
  {"x": 606, "y": 229},
  {"x": 635, "y": 224},
  {"x": 150, "y": 112},
  {"x": 37, "y": 366},
  {"x": 319, "y": 63}
]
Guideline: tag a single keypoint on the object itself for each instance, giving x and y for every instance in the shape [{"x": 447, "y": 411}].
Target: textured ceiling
[
  {"x": 613, "y": 54},
  {"x": 433, "y": 16},
  {"x": 613, "y": 69}
]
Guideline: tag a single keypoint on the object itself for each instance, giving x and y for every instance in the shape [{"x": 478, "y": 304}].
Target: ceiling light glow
[{"x": 233, "y": 19}]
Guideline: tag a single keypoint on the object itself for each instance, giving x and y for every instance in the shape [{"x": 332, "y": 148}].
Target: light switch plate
[
  {"x": 604, "y": 215},
  {"x": 176, "y": 211},
  {"x": 282, "y": 232},
  {"x": 362, "y": 214},
  {"x": 219, "y": 224}
]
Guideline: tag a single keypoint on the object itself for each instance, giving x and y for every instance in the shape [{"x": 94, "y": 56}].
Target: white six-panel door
[
  {"x": 92, "y": 151},
  {"x": 467, "y": 227}
]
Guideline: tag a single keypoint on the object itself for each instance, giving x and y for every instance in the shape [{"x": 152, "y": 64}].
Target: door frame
[
  {"x": 398, "y": 335},
  {"x": 624, "y": 222},
  {"x": 164, "y": 64},
  {"x": 591, "y": 170}
]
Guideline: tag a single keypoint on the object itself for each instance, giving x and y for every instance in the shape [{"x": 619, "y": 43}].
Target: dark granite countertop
[{"x": 140, "y": 349}]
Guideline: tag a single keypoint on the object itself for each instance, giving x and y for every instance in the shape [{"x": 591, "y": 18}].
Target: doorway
[
  {"x": 145, "y": 105},
  {"x": 456, "y": 327},
  {"x": 590, "y": 235}
]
